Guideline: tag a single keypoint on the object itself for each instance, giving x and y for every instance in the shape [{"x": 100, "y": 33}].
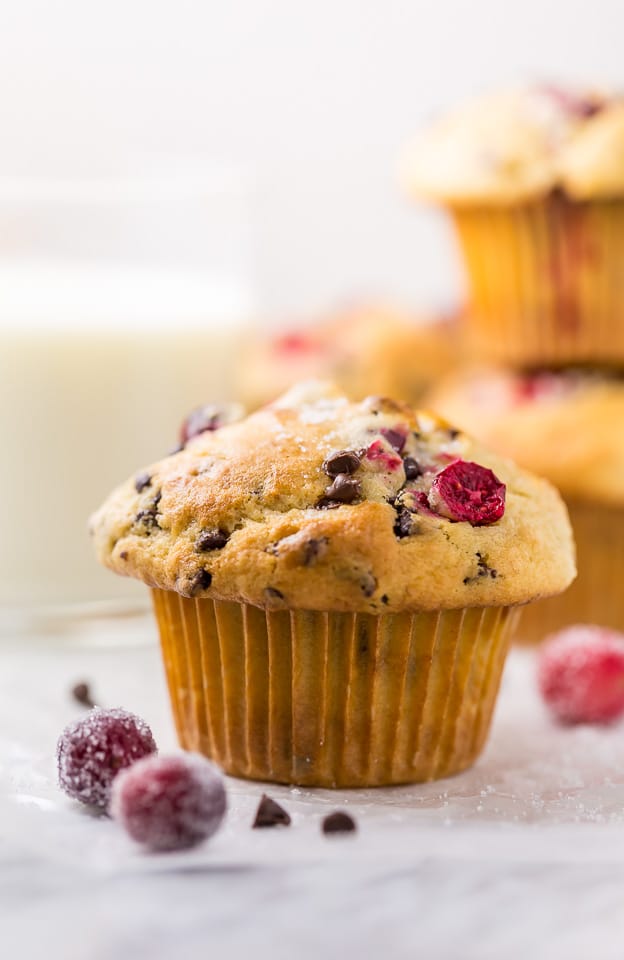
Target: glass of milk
[{"x": 122, "y": 305}]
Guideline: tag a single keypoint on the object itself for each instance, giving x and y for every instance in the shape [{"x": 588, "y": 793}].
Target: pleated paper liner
[
  {"x": 546, "y": 281},
  {"x": 596, "y": 596},
  {"x": 332, "y": 699}
]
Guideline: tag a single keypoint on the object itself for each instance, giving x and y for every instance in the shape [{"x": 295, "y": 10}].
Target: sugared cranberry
[
  {"x": 378, "y": 453},
  {"x": 581, "y": 674},
  {"x": 91, "y": 752},
  {"x": 170, "y": 803},
  {"x": 468, "y": 491},
  {"x": 396, "y": 437}
]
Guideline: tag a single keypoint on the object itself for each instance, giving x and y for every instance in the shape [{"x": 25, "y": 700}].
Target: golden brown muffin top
[
  {"x": 318, "y": 503},
  {"x": 518, "y": 145},
  {"x": 566, "y": 426}
]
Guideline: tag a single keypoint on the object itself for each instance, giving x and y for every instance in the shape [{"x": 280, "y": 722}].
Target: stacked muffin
[{"x": 534, "y": 182}]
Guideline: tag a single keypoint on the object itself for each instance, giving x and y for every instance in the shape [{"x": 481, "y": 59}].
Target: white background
[{"x": 313, "y": 101}]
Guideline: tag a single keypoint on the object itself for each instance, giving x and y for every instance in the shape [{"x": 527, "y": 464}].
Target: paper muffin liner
[
  {"x": 596, "y": 595},
  {"x": 545, "y": 281},
  {"x": 332, "y": 699}
]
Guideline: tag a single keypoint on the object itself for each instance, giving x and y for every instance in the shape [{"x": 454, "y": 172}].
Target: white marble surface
[{"x": 522, "y": 856}]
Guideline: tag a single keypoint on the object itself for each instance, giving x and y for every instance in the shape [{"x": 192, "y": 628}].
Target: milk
[{"x": 99, "y": 364}]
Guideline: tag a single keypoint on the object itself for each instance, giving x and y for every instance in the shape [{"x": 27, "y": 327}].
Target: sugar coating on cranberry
[
  {"x": 92, "y": 751},
  {"x": 170, "y": 803},
  {"x": 468, "y": 491},
  {"x": 581, "y": 674}
]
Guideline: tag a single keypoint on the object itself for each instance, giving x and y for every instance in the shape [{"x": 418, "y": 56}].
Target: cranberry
[
  {"x": 572, "y": 103},
  {"x": 377, "y": 452},
  {"x": 468, "y": 491},
  {"x": 581, "y": 674},
  {"x": 91, "y": 752},
  {"x": 170, "y": 803},
  {"x": 396, "y": 437}
]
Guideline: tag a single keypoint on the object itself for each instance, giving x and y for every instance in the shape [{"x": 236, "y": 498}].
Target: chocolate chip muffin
[
  {"x": 534, "y": 182},
  {"x": 565, "y": 426},
  {"x": 335, "y": 586}
]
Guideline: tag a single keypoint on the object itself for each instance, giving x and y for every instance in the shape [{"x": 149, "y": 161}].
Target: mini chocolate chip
[
  {"x": 314, "y": 549},
  {"x": 148, "y": 518},
  {"x": 270, "y": 814},
  {"x": 211, "y": 540},
  {"x": 82, "y": 694},
  {"x": 157, "y": 498},
  {"x": 483, "y": 570},
  {"x": 384, "y": 598},
  {"x": 344, "y": 489},
  {"x": 404, "y": 524},
  {"x": 412, "y": 468},
  {"x": 123, "y": 555},
  {"x": 338, "y": 822},
  {"x": 368, "y": 585},
  {"x": 142, "y": 481},
  {"x": 343, "y": 461},
  {"x": 201, "y": 581},
  {"x": 453, "y": 433}
]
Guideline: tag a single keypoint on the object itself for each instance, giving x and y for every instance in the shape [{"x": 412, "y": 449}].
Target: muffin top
[
  {"x": 318, "y": 503},
  {"x": 566, "y": 426},
  {"x": 361, "y": 347},
  {"x": 515, "y": 146}
]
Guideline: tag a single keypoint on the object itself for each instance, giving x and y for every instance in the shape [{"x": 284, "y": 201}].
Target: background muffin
[
  {"x": 534, "y": 180},
  {"x": 366, "y": 348},
  {"x": 567, "y": 427},
  {"x": 334, "y": 585}
]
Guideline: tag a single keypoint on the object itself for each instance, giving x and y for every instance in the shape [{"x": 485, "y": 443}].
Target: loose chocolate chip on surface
[
  {"x": 343, "y": 461},
  {"x": 338, "y": 822},
  {"x": 270, "y": 814},
  {"x": 211, "y": 540},
  {"x": 412, "y": 468},
  {"x": 82, "y": 694},
  {"x": 142, "y": 481},
  {"x": 201, "y": 581}
]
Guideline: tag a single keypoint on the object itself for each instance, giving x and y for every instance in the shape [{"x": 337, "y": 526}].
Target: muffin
[
  {"x": 335, "y": 585},
  {"x": 366, "y": 348},
  {"x": 566, "y": 426},
  {"x": 534, "y": 181}
]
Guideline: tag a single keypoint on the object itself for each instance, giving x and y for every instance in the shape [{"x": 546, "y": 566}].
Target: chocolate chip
[
  {"x": 384, "y": 598},
  {"x": 344, "y": 461},
  {"x": 395, "y": 438},
  {"x": 483, "y": 570},
  {"x": 82, "y": 694},
  {"x": 412, "y": 468},
  {"x": 338, "y": 822},
  {"x": 368, "y": 585},
  {"x": 201, "y": 581},
  {"x": 211, "y": 540},
  {"x": 313, "y": 549},
  {"x": 123, "y": 555},
  {"x": 405, "y": 524},
  {"x": 344, "y": 489},
  {"x": 270, "y": 814},
  {"x": 142, "y": 481},
  {"x": 453, "y": 433},
  {"x": 148, "y": 518}
]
